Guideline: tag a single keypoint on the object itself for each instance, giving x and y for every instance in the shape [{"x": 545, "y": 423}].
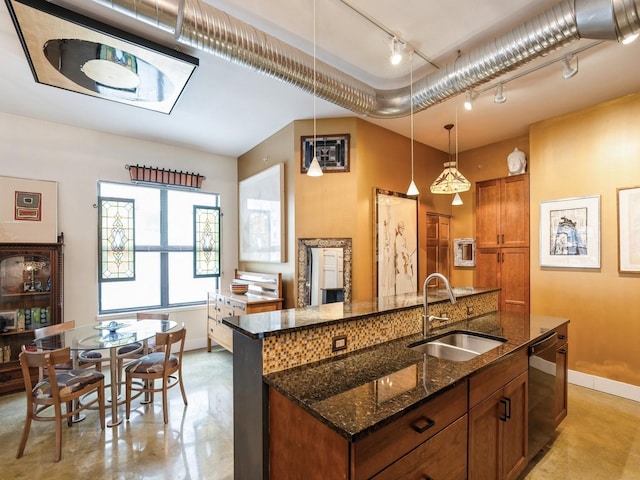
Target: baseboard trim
[{"x": 600, "y": 384}]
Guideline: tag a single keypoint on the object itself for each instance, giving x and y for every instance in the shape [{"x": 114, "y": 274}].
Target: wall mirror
[
  {"x": 464, "y": 252},
  {"x": 324, "y": 271}
]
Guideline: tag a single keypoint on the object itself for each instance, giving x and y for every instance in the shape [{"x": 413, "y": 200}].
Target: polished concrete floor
[{"x": 599, "y": 440}]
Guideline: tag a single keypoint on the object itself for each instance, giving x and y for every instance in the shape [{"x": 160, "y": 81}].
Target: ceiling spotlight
[
  {"x": 396, "y": 51},
  {"x": 629, "y": 38},
  {"x": 568, "y": 69},
  {"x": 471, "y": 97},
  {"x": 500, "y": 97}
]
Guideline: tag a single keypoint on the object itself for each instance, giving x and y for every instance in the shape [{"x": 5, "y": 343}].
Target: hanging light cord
[
  {"x": 411, "y": 106},
  {"x": 315, "y": 141},
  {"x": 457, "y": 137}
]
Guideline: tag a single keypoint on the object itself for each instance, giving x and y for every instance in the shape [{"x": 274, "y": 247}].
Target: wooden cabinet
[
  {"x": 498, "y": 420},
  {"x": 502, "y": 240},
  {"x": 508, "y": 270},
  {"x": 429, "y": 441},
  {"x": 438, "y": 246},
  {"x": 502, "y": 212},
  {"x": 562, "y": 373},
  {"x": 264, "y": 295},
  {"x": 31, "y": 296}
]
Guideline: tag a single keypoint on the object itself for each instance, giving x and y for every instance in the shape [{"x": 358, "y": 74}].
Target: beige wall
[
  {"x": 77, "y": 158},
  {"x": 590, "y": 152},
  {"x": 339, "y": 205}
]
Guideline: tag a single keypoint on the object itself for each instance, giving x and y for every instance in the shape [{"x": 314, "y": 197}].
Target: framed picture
[
  {"x": 261, "y": 204},
  {"x": 8, "y": 320},
  {"x": 332, "y": 152},
  {"x": 570, "y": 233},
  {"x": 629, "y": 230},
  {"x": 67, "y": 50},
  {"x": 396, "y": 235}
]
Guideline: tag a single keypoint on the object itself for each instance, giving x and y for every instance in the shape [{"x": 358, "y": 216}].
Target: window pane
[
  {"x": 144, "y": 291},
  {"x": 147, "y": 215},
  {"x": 183, "y": 288},
  {"x": 180, "y": 214}
]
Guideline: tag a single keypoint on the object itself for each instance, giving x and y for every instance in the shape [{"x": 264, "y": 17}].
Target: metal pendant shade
[{"x": 450, "y": 180}]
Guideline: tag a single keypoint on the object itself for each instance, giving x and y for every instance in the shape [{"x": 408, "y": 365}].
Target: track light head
[
  {"x": 500, "y": 97},
  {"x": 569, "y": 70},
  {"x": 471, "y": 97},
  {"x": 396, "y": 51}
]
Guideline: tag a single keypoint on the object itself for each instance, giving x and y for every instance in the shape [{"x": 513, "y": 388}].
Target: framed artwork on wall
[
  {"x": 570, "y": 232},
  {"x": 629, "y": 230},
  {"x": 332, "y": 152},
  {"x": 261, "y": 204},
  {"x": 396, "y": 235}
]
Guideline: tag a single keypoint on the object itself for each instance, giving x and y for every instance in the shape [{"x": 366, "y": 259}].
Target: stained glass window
[
  {"x": 117, "y": 257},
  {"x": 206, "y": 239}
]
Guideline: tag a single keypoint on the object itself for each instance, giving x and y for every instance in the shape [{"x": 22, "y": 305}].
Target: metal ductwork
[{"x": 208, "y": 29}]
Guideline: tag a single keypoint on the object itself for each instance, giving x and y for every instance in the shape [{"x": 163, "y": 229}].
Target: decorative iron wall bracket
[{"x": 160, "y": 176}]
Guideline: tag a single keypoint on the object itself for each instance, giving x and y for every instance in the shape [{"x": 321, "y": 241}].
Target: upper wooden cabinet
[
  {"x": 502, "y": 212},
  {"x": 438, "y": 246}
]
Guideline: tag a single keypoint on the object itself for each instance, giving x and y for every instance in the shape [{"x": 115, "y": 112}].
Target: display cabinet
[{"x": 31, "y": 295}]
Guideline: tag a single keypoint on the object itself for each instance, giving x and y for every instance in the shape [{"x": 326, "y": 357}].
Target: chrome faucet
[{"x": 425, "y": 316}]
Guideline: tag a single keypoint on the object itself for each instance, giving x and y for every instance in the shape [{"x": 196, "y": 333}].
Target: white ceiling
[{"x": 227, "y": 108}]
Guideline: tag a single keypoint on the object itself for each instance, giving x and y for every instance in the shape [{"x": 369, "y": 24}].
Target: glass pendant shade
[
  {"x": 457, "y": 200},
  {"x": 450, "y": 181},
  {"x": 314, "y": 168}
]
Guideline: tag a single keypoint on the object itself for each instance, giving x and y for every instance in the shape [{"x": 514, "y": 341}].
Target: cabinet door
[
  {"x": 514, "y": 280},
  {"x": 514, "y": 211},
  {"x": 485, "y": 439},
  {"x": 488, "y": 214},
  {"x": 437, "y": 245},
  {"x": 515, "y": 428},
  {"x": 487, "y": 274}
]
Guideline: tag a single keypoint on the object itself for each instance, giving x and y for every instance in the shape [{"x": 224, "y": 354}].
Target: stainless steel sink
[{"x": 458, "y": 346}]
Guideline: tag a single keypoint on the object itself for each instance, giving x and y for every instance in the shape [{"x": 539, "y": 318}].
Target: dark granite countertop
[
  {"x": 260, "y": 325},
  {"x": 357, "y": 393}
]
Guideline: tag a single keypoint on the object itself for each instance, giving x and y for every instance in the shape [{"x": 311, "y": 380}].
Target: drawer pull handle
[
  {"x": 427, "y": 477},
  {"x": 562, "y": 351},
  {"x": 506, "y": 404},
  {"x": 423, "y": 425},
  {"x": 562, "y": 337}
]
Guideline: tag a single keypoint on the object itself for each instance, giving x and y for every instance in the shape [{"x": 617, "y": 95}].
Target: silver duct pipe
[{"x": 206, "y": 28}]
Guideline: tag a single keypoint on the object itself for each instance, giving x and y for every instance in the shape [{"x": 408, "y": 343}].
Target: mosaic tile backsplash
[{"x": 290, "y": 350}]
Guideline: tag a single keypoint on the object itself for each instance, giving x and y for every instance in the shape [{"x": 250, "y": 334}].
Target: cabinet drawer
[
  {"x": 497, "y": 376},
  {"x": 442, "y": 457},
  {"x": 221, "y": 334},
  {"x": 384, "y": 446}
]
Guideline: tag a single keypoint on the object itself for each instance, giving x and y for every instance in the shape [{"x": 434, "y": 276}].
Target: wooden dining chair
[
  {"x": 57, "y": 388},
  {"x": 87, "y": 359},
  {"x": 165, "y": 366},
  {"x": 137, "y": 350}
]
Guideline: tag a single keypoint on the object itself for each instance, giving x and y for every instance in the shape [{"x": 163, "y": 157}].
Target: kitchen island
[{"x": 282, "y": 355}]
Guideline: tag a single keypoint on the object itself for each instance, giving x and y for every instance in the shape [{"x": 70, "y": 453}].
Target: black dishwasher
[{"x": 542, "y": 392}]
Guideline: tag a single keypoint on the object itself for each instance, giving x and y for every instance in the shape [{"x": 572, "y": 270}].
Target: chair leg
[
  {"x": 69, "y": 418},
  {"x": 165, "y": 403},
  {"x": 58, "y": 453},
  {"x": 184, "y": 395},
  {"x": 25, "y": 432},
  {"x": 101, "y": 403},
  {"x": 127, "y": 395}
]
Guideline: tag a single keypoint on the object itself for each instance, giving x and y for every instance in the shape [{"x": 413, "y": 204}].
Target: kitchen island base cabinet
[
  {"x": 498, "y": 421},
  {"x": 300, "y": 446}
]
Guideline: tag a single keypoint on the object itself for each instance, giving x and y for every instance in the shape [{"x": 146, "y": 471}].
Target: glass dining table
[{"x": 107, "y": 335}]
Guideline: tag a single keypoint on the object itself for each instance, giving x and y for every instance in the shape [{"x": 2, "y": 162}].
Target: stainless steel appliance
[{"x": 542, "y": 392}]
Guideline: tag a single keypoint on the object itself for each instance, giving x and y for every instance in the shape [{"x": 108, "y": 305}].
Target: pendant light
[
  {"x": 413, "y": 190},
  {"x": 314, "y": 169},
  {"x": 450, "y": 180}
]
